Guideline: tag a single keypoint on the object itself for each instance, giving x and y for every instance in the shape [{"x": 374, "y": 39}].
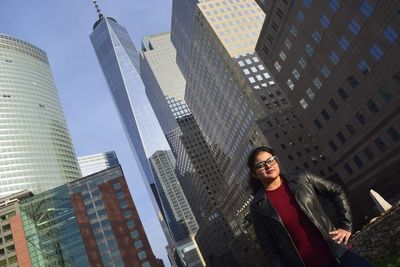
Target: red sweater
[{"x": 306, "y": 237}]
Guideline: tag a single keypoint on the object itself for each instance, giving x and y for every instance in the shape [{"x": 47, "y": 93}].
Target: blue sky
[{"x": 62, "y": 28}]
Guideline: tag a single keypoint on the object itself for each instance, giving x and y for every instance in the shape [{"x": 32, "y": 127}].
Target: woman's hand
[{"x": 340, "y": 236}]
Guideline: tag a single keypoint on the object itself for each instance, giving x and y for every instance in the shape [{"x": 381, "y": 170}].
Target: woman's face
[{"x": 266, "y": 168}]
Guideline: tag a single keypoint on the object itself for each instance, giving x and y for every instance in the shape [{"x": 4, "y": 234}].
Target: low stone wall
[{"x": 379, "y": 238}]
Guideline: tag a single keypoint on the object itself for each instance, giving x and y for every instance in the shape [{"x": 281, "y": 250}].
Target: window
[
  {"x": 310, "y": 93},
  {"x": 361, "y": 118},
  {"x": 134, "y": 234},
  {"x": 123, "y": 204},
  {"x": 334, "y": 57},
  {"x": 282, "y": 55},
  {"x": 343, "y": 43},
  {"x": 309, "y": 50},
  {"x": 380, "y": 144},
  {"x": 369, "y": 153},
  {"x": 386, "y": 96},
  {"x": 146, "y": 264},
  {"x": 372, "y": 106},
  {"x": 342, "y": 93},
  {"x": 350, "y": 128},
  {"x": 317, "y": 124},
  {"x": 288, "y": 44},
  {"x": 307, "y": 3},
  {"x": 300, "y": 16},
  {"x": 324, "y": 21},
  {"x": 363, "y": 67},
  {"x": 394, "y": 134},
  {"x": 366, "y": 8},
  {"x": 390, "y": 34},
  {"x": 317, "y": 83},
  {"x": 116, "y": 186},
  {"x": 348, "y": 169},
  {"x": 341, "y": 137},
  {"x": 332, "y": 145},
  {"x": 325, "y": 115},
  {"x": 333, "y": 105},
  {"x": 352, "y": 82},
  {"x": 131, "y": 224},
  {"x": 358, "y": 162},
  {"x": 290, "y": 84},
  {"x": 303, "y": 103},
  {"x": 354, "y": 27},
  {"x": 296, "y": 74},
  {"x": 302, "y": 62},
  {"x": 376, "y": 52},
  {"x": 334, "y": 5},
  {"x": 138, "y": 244},
  {"x": 316, "y": 36},
  {"x": 127, "y": 213},
  {"x": 294, "y": 31},
  {"x": 142, "y": 255},
  {"x": 325, "y": 71},
  {"x": 277, "y": 66}
]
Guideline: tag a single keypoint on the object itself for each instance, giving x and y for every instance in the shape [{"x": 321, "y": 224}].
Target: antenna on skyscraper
[{"x": 98, "y": 9}]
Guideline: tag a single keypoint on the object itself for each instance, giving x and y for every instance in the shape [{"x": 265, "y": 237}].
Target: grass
[{"x": 388, "y": 261}]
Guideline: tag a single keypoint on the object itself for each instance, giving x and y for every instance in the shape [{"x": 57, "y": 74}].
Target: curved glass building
[{"x": 36, "y": 151}]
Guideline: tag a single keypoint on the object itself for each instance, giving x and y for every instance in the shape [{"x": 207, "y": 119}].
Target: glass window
[
  {"x": 290, "y": 84},
  {"x": 316, "y": 36},
  {"x": 142, "y": 255},
  {"x": 352, "y": 82},
  {"x": 354, "y": 27},
  {"x": 334, "y": 57},
  {"x": 131, "y": 224},
  {"x": 325, "y": 115},
  {"x": 302, "y": 62},
  {"x": 138, "y": 244},
  {"x": 120, "y": 195},
  {"x": 296, "y": 74},
  {"x": 361, "y": 118},
  {"x": 325, "y": 71},
  {"x": 288, "y": 44},
  {"x": 332, "y": 145},
  {"x": 317, "y": 124},
  {"x": 310, "y": 93},
  {"x": 383, "y": 92},
  {"x": 146, "y": 264},
  {"x": 343, "y": 43},
  {"x": 372, "y": 106},
  {"x": 307, "y": 3},
  {"x": 123, "y": 204},
  {"x": 252, "y": 80},
  {"x": 369, "y": 153},
  {"x": 303, "y": 103},
  {"x": 380, "y": 144},
  {"x": 116, "y": 186},
  {"x": 246, "y": 71},
  {"x": 376, "y": 52},
  {"x": 325, "y": 21},
  {"x": 394, "y": 134},
  {"x": 348, "y": 168},
  {"x": 366, "y": 8},
  {"x": 390, "y": 34},
  {"x": 300, "y": 16},
  {"x": 282, "y": 55},
  {"x": 342, "y": 93},
  {"x": 334, "y": 5},
  {"x": 277, "y": 66},
  {"x": 317, "y": 83},
  {"x": 333, "y": 105},
  {"x": 341, "y": 137},
  {"x": 294, "y": 31},
  {"x": 134, "y": 234},
  {"x": 309, "y": 50},
  {"x": 350, "y": 128},
  {"x": 363, "y": 67}
]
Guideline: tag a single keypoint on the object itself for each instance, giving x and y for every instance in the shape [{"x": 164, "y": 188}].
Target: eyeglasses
[{"x": 269, "y": 162}]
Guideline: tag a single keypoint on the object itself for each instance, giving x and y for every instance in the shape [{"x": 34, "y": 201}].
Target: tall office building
[
  {"x": 92, "y": 221},
  {"x": 97, "y": 162},
  {"x": 36, "y": 149},
  {"x": 339, "y": 64},
  {"x": 197, "y": 171}
]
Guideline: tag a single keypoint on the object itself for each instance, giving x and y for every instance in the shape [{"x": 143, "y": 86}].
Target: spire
[{"x": 98, "y": 9}]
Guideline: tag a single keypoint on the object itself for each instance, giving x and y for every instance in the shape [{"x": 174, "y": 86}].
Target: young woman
[{"x": 289, "y": 220}]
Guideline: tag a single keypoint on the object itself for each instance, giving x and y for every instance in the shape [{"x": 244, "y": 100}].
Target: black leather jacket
[{"x": 272, "y": 234}]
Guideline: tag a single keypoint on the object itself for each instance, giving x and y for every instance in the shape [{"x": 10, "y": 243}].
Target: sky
[{"x": 62, "y": 28}]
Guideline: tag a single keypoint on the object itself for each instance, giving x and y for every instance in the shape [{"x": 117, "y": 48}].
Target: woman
[{"x": 289, "y": 221}]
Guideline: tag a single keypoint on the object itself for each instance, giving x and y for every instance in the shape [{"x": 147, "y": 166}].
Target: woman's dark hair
[{"x": 254, "y": 183}]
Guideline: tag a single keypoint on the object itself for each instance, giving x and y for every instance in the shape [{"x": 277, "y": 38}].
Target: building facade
[
  {"x": 36, "y": 148},
  {"x": 338, "y": 63},
  {"x": 89, "y": 222},
  {"x": 97, "y": 162}
]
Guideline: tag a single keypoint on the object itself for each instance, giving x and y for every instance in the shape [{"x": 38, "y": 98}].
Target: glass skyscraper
[
  {"x": 36, "y": 149},
  {"x": 97, "y": 162}
]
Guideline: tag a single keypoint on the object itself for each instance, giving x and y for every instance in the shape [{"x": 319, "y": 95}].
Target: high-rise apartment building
[
  {"x": 36, "y": 149},
  {"x": 338, "y": 63},
  {"x": 97, "y": 162},
  {"x": 92, "y": 221},
  {"x": 196, "y": 169}
]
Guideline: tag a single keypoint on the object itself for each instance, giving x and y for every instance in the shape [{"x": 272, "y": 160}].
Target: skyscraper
[
  {"x": 97, "y": 162},
  {"x": 36, "y": 149},
  {"x": 338, "y": 63}
]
